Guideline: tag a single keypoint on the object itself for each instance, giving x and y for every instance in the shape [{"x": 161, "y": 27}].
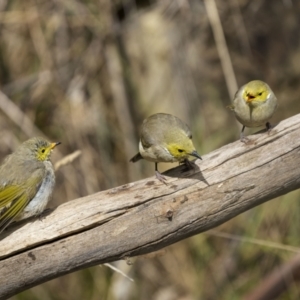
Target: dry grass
[{"x": 86, "y": 73}]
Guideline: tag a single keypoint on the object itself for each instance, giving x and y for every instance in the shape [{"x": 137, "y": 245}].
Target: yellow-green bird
[
  {"x": 26, "y": 181},
  {"x": 254, "y": 104},
  {"x": 165, "y": 138}
]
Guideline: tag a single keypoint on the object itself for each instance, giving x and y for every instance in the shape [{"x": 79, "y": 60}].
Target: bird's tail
[{"x": 136, "y": 157}]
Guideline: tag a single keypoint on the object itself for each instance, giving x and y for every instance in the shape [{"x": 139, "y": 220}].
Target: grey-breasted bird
[
  {"x": 254, "y": 105},
  {"x": 165, "y": 138},
  {"x": 26, "y": 181}
]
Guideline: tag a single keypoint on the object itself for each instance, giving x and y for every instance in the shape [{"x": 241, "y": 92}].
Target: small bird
[
  {"x": 165, "y": 138},
  {"x": 254, "y": 104},
  {"x": 26, "y": 181}
]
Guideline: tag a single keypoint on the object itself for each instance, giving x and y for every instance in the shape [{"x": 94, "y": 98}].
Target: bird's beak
[
  {"x": 195, "y": 154},
  {"x": 249, "y": 98},
  {"x": 53, "y": 145}
]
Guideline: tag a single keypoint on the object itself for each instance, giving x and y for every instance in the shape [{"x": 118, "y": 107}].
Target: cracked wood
[{"x": 144, "y": 216}]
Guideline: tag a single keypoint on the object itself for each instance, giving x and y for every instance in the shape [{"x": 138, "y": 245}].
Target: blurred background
[{"x": 87, "y": 73}]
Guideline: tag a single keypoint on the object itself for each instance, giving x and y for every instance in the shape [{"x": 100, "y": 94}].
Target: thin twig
[
  {"x": 67, "y": 160},
  {"x": 18, "y": 117},
  {"x": 253, "y": 241},
  {"x": 215, "y": 23},
  {"x": 277, "y": 282},
  {"x": 118, "y": 271}
]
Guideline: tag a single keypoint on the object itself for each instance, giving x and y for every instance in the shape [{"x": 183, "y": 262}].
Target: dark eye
[
  {"x": 180, "y": 150},
  {"x": 43, "y": 150},
  {"x": 259, "y": 94}
]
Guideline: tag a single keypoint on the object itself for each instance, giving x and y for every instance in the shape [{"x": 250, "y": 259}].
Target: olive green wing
[{"x": 14, "y": 198}]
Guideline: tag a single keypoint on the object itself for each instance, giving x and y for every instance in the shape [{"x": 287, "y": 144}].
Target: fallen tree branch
[{"x": 144, "y": 216}]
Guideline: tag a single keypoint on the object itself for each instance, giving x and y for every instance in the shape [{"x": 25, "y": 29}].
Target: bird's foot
[
  {"x": 161, "y": 177},
  {"x": 269, "y": 128},
  {"x": 245, "y": 139}
]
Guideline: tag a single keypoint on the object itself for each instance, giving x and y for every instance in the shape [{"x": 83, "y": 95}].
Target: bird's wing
[{"x": 14, "y": 198}]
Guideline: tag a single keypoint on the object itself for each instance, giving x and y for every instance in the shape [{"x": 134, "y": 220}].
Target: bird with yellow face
[
  {"x": 254, "y": 104},
  {"x": 26, "y": 181},
  {"x": 165, "y": 138}
]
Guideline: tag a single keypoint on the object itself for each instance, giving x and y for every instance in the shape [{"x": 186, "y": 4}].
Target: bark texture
[{"x": 144, "y": 216}]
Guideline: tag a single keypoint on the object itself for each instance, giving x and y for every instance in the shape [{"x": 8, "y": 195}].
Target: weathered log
[{"x": 144, "y": 216}]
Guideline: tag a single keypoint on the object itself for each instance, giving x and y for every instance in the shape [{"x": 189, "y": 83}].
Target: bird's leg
[
  {"x": 269, "y": 127},
  {"x": 244, "y": 139},
  {"x": 159, "y": 176},
  {"x": 242, "y": 133}
]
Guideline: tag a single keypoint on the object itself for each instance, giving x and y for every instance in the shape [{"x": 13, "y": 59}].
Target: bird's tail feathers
[{"x": 137, "y": 157}]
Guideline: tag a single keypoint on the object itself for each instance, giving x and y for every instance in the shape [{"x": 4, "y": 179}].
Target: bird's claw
[
  {"x": 245, "y": 140},
  {"x": 161, "y": 177}
]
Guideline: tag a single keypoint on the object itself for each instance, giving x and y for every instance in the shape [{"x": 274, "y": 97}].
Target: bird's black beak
[
  {"x": 195, "y": 154},
  {"x": 53, "y": 145}
]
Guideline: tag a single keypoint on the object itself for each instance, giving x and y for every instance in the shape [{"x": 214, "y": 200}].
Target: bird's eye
[
  {"x": 180, "y": 150},
  {"x": 43, "y": 150},
  {"x": 259, "y": 94}
]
